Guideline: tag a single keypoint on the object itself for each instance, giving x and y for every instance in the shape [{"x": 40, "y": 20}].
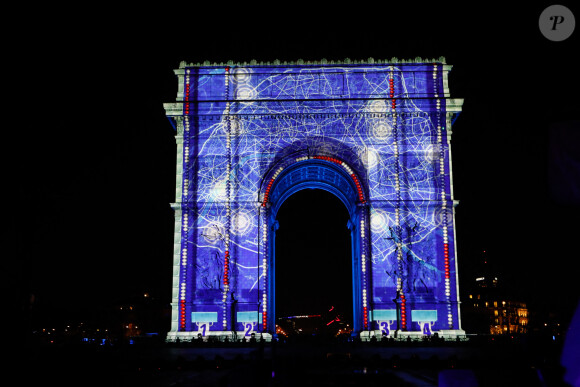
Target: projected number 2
[{"x": 248, "y": 328}]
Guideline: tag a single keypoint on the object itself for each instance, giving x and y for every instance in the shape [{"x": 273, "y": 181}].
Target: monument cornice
[{"x": 321, "y": 62}]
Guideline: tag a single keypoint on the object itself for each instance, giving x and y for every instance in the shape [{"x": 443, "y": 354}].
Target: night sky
[{"x": 90, "y": 156}]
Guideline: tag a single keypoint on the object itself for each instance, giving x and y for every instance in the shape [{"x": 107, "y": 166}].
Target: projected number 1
[{"x": 202, "y": 328}]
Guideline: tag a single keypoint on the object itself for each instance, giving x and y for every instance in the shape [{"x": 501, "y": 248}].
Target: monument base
[
  {"x": 221, "y": 336},
  {"x": 447, "y": 334}
]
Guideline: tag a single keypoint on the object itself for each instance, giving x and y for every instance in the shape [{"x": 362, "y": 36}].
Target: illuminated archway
[
  {"x": 375, "y": 134},
  {"x": 330, "y": 174}
]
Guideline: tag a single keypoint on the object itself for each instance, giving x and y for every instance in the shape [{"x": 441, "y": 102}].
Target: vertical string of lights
[
  {"x": 441, "y": 145},
  {"x": 402, "y": 301},
  {"x": 264, "y": 270},
  {"x": 263, "y": 214},
  {"x": 184, "y": 218},
  {"x": 363, "y": 260},
  {"x": 226, "y": 278}
]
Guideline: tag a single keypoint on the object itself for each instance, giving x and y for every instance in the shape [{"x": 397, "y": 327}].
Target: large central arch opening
[
  {"x": 313, "y": 272},
  {"x": 303, "y": 187}
]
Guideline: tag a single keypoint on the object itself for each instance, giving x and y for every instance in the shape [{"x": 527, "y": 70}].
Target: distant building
[
  {"x": 489, "y": 309},
  {"x": 496, "y": 315}
]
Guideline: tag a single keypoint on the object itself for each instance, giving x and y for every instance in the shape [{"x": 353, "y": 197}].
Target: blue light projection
[{"x": 374, "y": 134}]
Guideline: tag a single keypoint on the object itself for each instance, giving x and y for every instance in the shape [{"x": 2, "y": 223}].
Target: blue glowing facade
[{"x": 375, "y": 134}]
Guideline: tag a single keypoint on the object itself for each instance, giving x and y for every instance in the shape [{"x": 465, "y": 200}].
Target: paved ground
[{"x": 295, "y": 364}]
